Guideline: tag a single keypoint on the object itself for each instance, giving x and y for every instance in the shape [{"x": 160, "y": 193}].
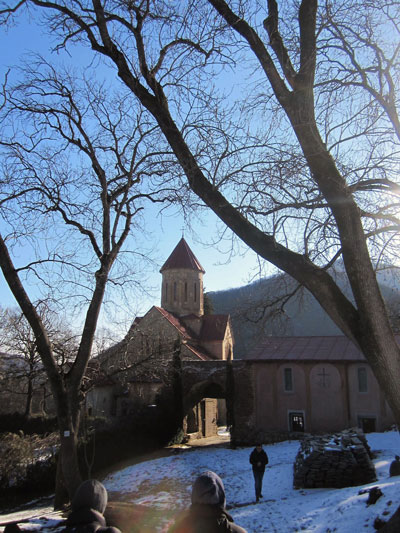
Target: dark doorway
[
  {"x": 203, "y": 417},
  {"x": 367, "y": 424},
  {"x": 192, "y": 424},
  {"x": 296, "y": 422}
]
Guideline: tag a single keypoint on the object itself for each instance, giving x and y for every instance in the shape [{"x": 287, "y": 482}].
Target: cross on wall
[{"x": 324, "y": 381}]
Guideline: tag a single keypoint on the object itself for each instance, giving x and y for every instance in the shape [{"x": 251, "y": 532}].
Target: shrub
[
  {"x": 15, "y": 454},
  {"x": 23, "y": 457},
  {"x": 38, "y": 425}
]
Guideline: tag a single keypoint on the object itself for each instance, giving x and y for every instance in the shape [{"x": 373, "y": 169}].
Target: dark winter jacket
[
  {"x": 88, "y": 506},
  {"x": 205, "y": 519},
  {"x": 394, "y": 469},
  {"x": 258, "y": 460},
  {"x": 207, "y": 513}
]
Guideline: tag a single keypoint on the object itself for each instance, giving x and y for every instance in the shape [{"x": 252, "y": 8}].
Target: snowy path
[{"x": 162, "y": 487}]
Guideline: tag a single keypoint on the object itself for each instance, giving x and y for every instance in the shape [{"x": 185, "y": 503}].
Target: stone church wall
[
  {"x": 152, "y": 340},
  {"x": 182, "y": 291}
]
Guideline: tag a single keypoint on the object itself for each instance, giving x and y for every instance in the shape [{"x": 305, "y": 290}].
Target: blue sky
[{"x": 222, "y": 270}]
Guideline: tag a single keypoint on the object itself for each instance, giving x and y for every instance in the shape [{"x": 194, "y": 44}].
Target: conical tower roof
[{"x": 182, "y": 257}]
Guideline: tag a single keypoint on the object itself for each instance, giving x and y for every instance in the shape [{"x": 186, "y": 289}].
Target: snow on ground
[{"x": 165, "y": 484}]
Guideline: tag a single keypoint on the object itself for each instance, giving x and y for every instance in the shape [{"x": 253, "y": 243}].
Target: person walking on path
[
  {"x": 258, "y": 460},
  {"x": 207, "y": 513}
]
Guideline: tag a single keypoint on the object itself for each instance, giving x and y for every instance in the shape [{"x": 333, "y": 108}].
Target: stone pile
[{"x": 339, "y": 460}]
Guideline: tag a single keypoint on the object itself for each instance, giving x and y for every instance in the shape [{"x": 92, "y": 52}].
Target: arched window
[
  {"x": 362, "y": 379},
  {"x": 288, "y": 379}
]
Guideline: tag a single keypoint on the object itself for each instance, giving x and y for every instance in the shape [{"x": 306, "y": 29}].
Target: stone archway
[
  {"x": 192, "y": 423},
  {"x": 232, "y": 381},
  {"x": 201, "y": 409}
]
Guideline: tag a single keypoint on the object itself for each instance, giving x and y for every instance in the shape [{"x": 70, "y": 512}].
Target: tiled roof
[
  {"x": 182, "y": 257},
  {"x": 192, "y": 342},
  {"x": 334, "y": 348},
  {"x": 213, "y": 327},
  {"x": 196, "y": 350},
  {"x": 172, "y": 319}
]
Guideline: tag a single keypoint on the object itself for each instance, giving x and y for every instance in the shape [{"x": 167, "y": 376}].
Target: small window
[
  {"x": 288, "y": 379},
  {"x": 166, "y": 292},
  {"x": 362, "y": 379},
  {"x": 296, "y": 421},
  {"x": 175, "y": 292},
  {"x": 195, "y": 292},
  {"x": 367, "y": 424},
  {"x": 186, "y": 292}
]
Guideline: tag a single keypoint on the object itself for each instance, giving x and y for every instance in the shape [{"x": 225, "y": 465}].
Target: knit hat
[
  {"x": 208, "y": 489},
  {"x": 91, "y": 494}
]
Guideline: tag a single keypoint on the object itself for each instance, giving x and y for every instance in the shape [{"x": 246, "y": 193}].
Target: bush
[
  {"x": 15, "y": 454},
  {"x": 26, "y": 460},
  {"x": 38, "y": 425}
]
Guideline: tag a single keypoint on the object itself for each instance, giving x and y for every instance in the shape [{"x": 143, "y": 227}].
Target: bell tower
[{"x": 182, "y": 282}]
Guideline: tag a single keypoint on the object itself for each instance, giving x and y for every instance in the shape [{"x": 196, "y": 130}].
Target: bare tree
[
  {"x": 77, "y": 172},
  {"x": 20, "y": 361},
  {"x": 364, "y": 40},
  {"x": 303, "y": 168},
  {"x": 24, "y": 375}
]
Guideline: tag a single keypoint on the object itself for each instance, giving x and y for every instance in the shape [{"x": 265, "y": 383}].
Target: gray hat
[
  {"x": 208, "y": 489},
  {"x": 92, "y": 494}
]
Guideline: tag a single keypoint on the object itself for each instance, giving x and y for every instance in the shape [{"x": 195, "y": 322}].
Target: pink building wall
[{"x": 325, "y": 395}]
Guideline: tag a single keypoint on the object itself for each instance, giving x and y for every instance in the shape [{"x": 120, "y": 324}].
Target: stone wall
[
  {"x": 233, "y": 381},
  {"x": 241, "y": 402},
  {"x": 182, "y": 291},
  {"x": 339, "y": 460}
]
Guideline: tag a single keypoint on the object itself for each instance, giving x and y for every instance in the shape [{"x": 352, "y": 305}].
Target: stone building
[{"x": 140, "y": 369}]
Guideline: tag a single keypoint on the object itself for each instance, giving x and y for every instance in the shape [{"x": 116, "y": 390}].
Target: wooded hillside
[{"x": 275, "y": 306}]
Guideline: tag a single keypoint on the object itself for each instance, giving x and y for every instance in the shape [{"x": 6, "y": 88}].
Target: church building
[{"x": 139, "y": 367}]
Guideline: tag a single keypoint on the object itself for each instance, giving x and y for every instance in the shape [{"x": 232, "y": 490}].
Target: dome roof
[{"x": 182, "y": 257}]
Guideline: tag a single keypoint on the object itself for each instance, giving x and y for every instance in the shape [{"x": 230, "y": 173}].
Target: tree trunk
[
  {"x": 68, "y": 476},
  {"x": 29, "y": 394},
  {"x": 61, "y": 497},
  {"x": 43, "y": 403}
]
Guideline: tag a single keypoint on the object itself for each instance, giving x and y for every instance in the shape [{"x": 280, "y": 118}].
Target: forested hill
[{"x": 261, "y": 309}]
